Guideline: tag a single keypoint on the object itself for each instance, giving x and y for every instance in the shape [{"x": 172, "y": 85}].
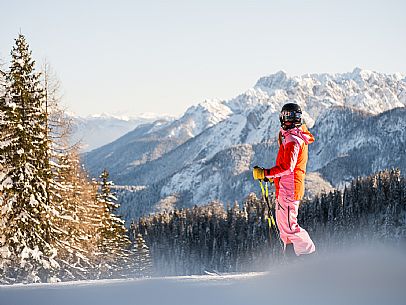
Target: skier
[{"x": 288, "y": 175}]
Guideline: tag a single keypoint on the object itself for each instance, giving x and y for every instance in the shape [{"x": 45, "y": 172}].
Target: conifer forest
[
  {"x": 213, "y": 239},
  {"x": 58, "y": 224}
]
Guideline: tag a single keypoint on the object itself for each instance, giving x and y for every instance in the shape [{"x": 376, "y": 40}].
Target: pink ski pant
[{"x": 290, "y": 231}]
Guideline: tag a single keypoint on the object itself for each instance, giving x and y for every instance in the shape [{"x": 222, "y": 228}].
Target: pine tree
[
  {"x": 27, "y": 216},
  {"x": 113, "y": 239},
  {"x": 141, "y": 257},
  {"x": 106, "y": 196}
]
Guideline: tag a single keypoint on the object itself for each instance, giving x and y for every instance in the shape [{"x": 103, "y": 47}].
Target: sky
[{"x": 131, "y": 57}]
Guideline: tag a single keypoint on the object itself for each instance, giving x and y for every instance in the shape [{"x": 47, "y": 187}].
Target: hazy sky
[{"x": 163, "y": 56}]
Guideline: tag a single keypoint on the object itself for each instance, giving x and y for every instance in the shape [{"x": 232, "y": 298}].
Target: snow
[
  {"x": 33, "y": 201},
  {"x": 20, "y": 62},
  {"x": 7, "y": 183},
  {"x": 201, "y": 117},
  {"x": 358, "y": 88},
  {"x": 4, "y": 252},
  {"x": 364, "y": 276},
  {"x": 11, "y": 104}
]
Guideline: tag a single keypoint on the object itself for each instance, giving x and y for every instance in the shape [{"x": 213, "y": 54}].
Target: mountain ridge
[
  {"x": 94, "y": 131},
  {"x": 242, "y": 129}
]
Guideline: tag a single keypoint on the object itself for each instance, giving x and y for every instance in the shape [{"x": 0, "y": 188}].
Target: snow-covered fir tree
[
  {"x": 113, "y": 243},
  {"x": 27, "y": 230},
  {"x": 141, "y": 257}
]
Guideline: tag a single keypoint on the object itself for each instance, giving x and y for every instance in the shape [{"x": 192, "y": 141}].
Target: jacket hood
[{"x": 301, "y": 132}]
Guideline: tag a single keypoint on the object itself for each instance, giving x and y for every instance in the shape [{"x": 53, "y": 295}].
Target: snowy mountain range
[
  {"x": 207, "y": 154},
  {"x": 98, "y": 130},
  {"x": 354, "y": 143}
]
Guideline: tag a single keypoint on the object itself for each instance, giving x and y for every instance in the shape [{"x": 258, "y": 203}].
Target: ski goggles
[{"x": 290, "y": 116}]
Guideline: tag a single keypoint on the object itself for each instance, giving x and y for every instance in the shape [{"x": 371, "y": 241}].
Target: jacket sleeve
[{"x": 288, "y": 164}]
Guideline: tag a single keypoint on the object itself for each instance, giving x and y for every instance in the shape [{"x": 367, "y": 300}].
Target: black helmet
[{"x": 290, "y": 116}]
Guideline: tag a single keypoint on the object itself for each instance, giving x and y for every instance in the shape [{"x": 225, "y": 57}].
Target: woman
[{"x": 288, "y": 175}]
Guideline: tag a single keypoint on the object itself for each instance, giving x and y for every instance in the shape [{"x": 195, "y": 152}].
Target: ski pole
[{"x": 271, "y": 218}]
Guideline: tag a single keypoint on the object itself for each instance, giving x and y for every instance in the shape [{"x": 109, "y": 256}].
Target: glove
[
  {"x": 270, "y": 180},
  {"x": 258, "y": 173}
]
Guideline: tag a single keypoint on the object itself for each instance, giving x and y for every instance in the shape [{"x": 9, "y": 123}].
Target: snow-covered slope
[
  {"x": 354, "y": 277},
  {"x": 208, "y": 152},
  {"x": 98, "y": 130}
]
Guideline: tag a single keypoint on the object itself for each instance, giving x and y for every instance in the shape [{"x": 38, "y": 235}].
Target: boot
[{"x": 290, "y": 252}]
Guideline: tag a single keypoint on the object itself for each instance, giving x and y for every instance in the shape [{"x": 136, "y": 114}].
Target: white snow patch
[
  {"x": 33, "y": 201},
  {"x": 6, "y": 184}
]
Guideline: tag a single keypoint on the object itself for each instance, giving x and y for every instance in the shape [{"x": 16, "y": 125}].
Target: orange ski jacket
[{"x": 290, "y": 169}]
